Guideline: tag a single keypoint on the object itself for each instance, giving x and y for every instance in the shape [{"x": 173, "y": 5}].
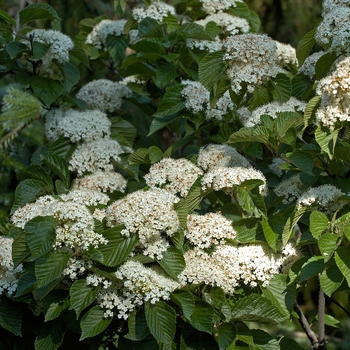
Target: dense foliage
[{"x": 187, "y": 194}]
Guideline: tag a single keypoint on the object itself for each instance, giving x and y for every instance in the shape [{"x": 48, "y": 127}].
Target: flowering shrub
[{"x": 185, "y": 199}]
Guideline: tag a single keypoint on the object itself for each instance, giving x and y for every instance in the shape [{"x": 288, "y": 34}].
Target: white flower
[
  {"x": 329, "y": 5},
  {"x": 286, "y": 55},
  {"x": 251, "y": 60},
  {"x": 212, "y": 155},
  {"x": 86, "y": 197},
  {"x": 290, "y": 189},
  {"x": 53, "y": 119},
  {"x": 210, "y": 6},
  {"x": 308, "y": 67},
  {"x": 96, "y": 155},
  {"x": 175, "y": 175},
  {"x": 207, "y": 45},
  {"x": 100, "y": 32},
  {"x": 103, "y": 94},
  {"x": 156, "y": 10},
  {"x": 275, "y": 166},
  {"x": 210, "y": 229}
]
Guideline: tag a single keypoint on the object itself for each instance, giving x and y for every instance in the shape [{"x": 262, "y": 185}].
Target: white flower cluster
[
  {"x": 334, "y": 90},
  {"x": 60, "y": 45},
  {"x": 77, "y": 125},
  {"x": 86, "y": 197},
  {"x": 97, "y": 37},
  {"x": 105, "y": 181},
  {"x": 230, "y": 266},
  {"x": 104, "y": 94},
  {"x": 175, "y": 175},
  {"x": 207, "y": 45},
  {"x": 8, "y": 273},
  {"x": 290, "y": 189},
  {"x": 210, "y": 229},
  {"x": 286, "y": 55},
  {"x": 231, "y": 25},
  {"x": 75, "y": 224},
  {"x": 251, "y": 60},
  {"x": 197, "y": 99},
  {"x": 308, "y": 67},
  {"x": 156, "y": 10},
  {"x": 140, "y": 284},
  {"x": 96, "y": 155},
  {"x": 329, "y": 5},
  {"x": 212, "y": 155},
  {"x": 275, "y": 166},
  {"x": 76, "y": 267},
  {"x": 225, "y": 178},
  {"x": 272, "y": 109},
  {"x": 211, "y": 6},
  {"x": 324, "y": 198},
  {"x": 334, "y": 30},
  {"x": 150, "y": 214}
]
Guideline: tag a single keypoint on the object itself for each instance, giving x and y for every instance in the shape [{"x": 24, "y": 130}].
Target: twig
[{"x": 321, "y": 327}]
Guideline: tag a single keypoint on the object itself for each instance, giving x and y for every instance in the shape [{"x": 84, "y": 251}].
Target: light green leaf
[
  {"x": 292, "y": 220},
  {"x": 310, "y": 110},
  {"x": 328, "y": 243},
  {"x": 29, "y": 190},
  {"x": 118, "y": 247},
  {"x": 155, "y": 154},
  {"x": 326, "y": 139},
  {"x": 185, "y": 300},
  {"x": 10, "y": 316},
  {"x": 318, "y": 223},
  {"x": 210, "y": 69},
  {"x": 331, "y": 279},
  {"x": 272, "y": 238},
  {"x": 195, "y": 195},
  {"x": 324, "y": 64},
  {"x": 312, "y": 267},
  {"x": 137, "y": 325},
  {"x": 202, "y": 317},
  {"x": 181, "y": 208},
  {"x": 254, "y": 21},
  {"x": 93, "y": 323},
  {"x": 37, "y": 11},
  {"x": 119, "y": 6},
  {"x": 286, "y": 121},
  {"x": 60, "y": 167},
  {"x": 256, "y": 308},
  {"x": 161, "y": 321},
  {"x": 82, "y": 296},
  {"x": 305, "y": 45},
  {"x": 173, "y": 262},
  {"x": 41, "y": 235},
  {"x": 48, "y": 90},
  {"x": 20, "y": 250},
  {"x": 283, "y": 87},
  {"x": 171, "y": 103},
  {"x": 342, "y": 259},
  {"x": 49, "y": 268},
  {"x": 302, "y": 160},
  {"x": 54, "y": 304},
  {"x": 343, "y": 225},
  {"x": 331, "y": 321}
]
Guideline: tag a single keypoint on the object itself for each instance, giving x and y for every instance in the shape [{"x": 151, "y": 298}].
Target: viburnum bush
[{"x": 190, "y": 179}]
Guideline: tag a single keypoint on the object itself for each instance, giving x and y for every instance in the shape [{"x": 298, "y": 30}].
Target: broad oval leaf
[
  {"x": 93, "y": 323},
  {"x": 37, "y": 11},
  {"x": 173, "y": 262},
  {"x": 331, "y": 279},
  {"x": 342, "y": 259},
  {"x": 318, "y": 223},
  {"x": 211, "y": 68}
]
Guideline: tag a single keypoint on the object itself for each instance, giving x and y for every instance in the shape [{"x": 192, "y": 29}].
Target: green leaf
[
  {"x": 166, "y": 73},
  {"x": 60, "y": 167},
  {"x": 331, "y": 279},
  {"x": 78, "y": 53},
  {"x": 172, "y": 102},
  {"x": 93, "y": 323},
  {"x": 272, "y": 238},
  {"x": 192, "y": 30},
  {"x": 155, "y": 154},
  {"x": 283, "y": 87},
  {"x": 50, "y": 267},
  {"x": 286, "y": 121},
  {"x": 20, "y": 250},
  {"x": 247, "y": 134},
  {"x": 118, "y": 247},
  {"x": 289, "y": 344},
  {"x": 61, "y": 147},
  {"x": 172, "y": 262},
  {"x": 71, "y": 75},
  {"x": 36, "y": 172},
  {"x": 225, "y": 334},
  {"x": 302, "y": 160},
  {"x": 181, "y": 208},
  {"x": 123, "y": 131},
  {"x": 161, "y": 321},
  {"x": 82, "y": 296},
  {"x": 342, "y": 259},
  {"x": 195, "y": 195},
  {"x": 41, "y": 235},
  {"x": 310, "y": 110},
  {"x": 137, "y": 325},
  {"x": 116, "y": 47},
  {"x": 301, "y": 85},
  {"x": 318, "y": 223},
  {"x": 185, "y": 300},
  {"x": 54, "y": 304},
  {"x": 5, "y": 17},
  {"x": 312, "y": 267},
  {"x": 10, "y": 316},
  {"x": 324, "y": 64},
  {"x": 50, "y": 335},
  {"x": 140, "y": 156},
  {"x": 26, "y": 281},
  {"x": 48, "y": 90},
  {"x": 202, "y": 317},
  {"x": 37, "y": 11},
  {"x": 326, "y": 139},
  {"x": 256, "y": 308},
  {"x": 29, "y": 190},
  {"x": 305, "y": 45},
  {"x": 331, "y": 321},
  {"x": 39, "y": 51},
  {"x": 327, "y": 243},
  {"x": 210, "y": 69},
  {"x": 15, "y": 49}
]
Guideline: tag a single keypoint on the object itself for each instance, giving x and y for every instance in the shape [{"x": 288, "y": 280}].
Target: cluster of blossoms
[
  {"x": 197, "y": 99},
  {"x": 59, "y": 47},
  {"x": 150, "y": 214},
  {"x": 286, "y": 55},
  {"x": 290, "y": 189},
  {"x": 8, "y": 273},
  {"x": 309, "y": 65},
  {"x": 76, "y": 268},
  {"x": 175, "y": 175},
  {"x": 157, "y": 10},
  {"x": 272, "y": 109},
  {"x": 334, "y": 90},
  {"x": 229, "y": 266},
  {"x": 75, "y": 224},
  {"x": 138, "y": 285},
  {"x": 218, "y": 6},
  {"x": 323, "y": 198},
  {"x": 103, "y": 94},
  {"x": 275, "y": 166},
  {"x": 251, "y": 60}
]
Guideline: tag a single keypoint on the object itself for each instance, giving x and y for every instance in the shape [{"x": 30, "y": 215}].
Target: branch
[
  {"x": 321, "y": 326},
  {"x": 306, "y": 326}
]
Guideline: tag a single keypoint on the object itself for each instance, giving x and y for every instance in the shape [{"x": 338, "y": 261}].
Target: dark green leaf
[
  {"x": 71, "y": 75},
  {"x": 172, "y": 102},
  {"x": 342, "y": 259},
  {"x": 305, "y": 45},
  {"x": 26, "y": 281},
  {"x": 20, "y": 250},
  {"x": 289, "y": 344},
  {"x": 60, "y": 167},
  {"x": 36, "y": 172},
  {"x": 331, "y": 279},
  {"x": 302, "y": 160},
  {"x": 172, "y": 262},
  {"x": 137, "y": 325},
  {"x": 185, "y": 300},
  {"x": 286, "y": 121},
  {"x": 54, "y": 304},
  {"x": 15, "y": 49},
  {"x": 10, "y": 316},
  {"x": 123, "y": 131},
  {"x": 283, "y": 87},
  {"x": 93, "y": 323},
  {"x": 48, "y": 90},
  {"x": 210, "y": 69},
  {"x": 225, "y": 334},
  {"x": 202, "y": 317},
  {"x": 37, "y": 11},
  {"x": 5, "y": 17},
  {"x": 324, "y": 64},
  {"x": 312, "y": 267},
  {"x": 272, "y": 238},
  {"x": 39, "y": 51},
  {"x": 78, "y": 53}
]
